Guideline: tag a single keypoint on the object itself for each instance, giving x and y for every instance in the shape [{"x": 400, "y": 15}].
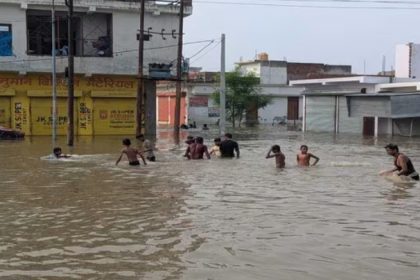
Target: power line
[
  {"x": 266, "y": 4},
  {"x": 204, "y": 54},
  {"x": 114, "y": 53},
  {"x": 202, "y": 49}
]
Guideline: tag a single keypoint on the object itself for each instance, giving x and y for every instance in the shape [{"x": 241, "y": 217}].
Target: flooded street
[{"x": 86, "y": 218}]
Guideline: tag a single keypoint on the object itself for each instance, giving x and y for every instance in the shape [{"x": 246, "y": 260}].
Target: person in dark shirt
[
  {"x": 197, "y": 150},
  {"x": 228, "y": 147}
]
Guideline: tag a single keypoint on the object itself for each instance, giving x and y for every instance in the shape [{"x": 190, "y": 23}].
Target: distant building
[
  {"x": 325, "y": 105},
  {"x": 286, "y": 100},
  {"x": 407, "y": 61},
  {"x": 393, "y": 110}
]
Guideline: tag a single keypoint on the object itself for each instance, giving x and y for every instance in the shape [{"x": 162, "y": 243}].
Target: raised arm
[
  {"x": 269, "y": 155},
  {"x": 315, "y": 157}
]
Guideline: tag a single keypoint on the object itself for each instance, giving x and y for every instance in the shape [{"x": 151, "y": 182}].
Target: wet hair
[
  {"x": 189, "y": 137},
  {"x": 140, "y": 136},
  {"x": 57, "y": 150},
  {"x": 126, "y": 142},
  {"x": 228, "y": 135},
  {"x": 392, "y": 147},
  {"x": 199, "y": 140},
  {"x": 217, "y": 139},
  {"x": 276, "y": 148},
  {"x": 304, "y": 146}
]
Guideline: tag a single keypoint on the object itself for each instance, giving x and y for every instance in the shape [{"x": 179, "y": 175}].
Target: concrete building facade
[
  {"x": 407, "y": 61},
  {"x": 106, "y": 62}
]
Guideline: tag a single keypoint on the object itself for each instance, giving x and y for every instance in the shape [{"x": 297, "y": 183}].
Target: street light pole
[
  {"x": 177, "y": 123},
  {"x": 222, "y": 121},
  {"x": 140, "y": 81},
  {"x": 70, "y": 86}
]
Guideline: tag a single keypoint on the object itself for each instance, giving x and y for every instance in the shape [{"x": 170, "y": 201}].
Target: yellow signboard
[
  {"x": 85, "y": 109},
  {"x": 20, "y": 114},
  {"x": 41, "y": 116},
  {"x": 114, "y": 116},
  {"x": 5, "y": 112}
]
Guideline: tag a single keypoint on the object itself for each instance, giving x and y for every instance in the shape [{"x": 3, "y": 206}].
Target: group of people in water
[{"x": 228, "y": 148}]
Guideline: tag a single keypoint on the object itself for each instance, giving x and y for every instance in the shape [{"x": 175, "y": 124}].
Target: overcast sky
[{"x": 333, "y": 36}]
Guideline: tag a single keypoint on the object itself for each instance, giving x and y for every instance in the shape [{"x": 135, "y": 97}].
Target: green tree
[{"x": 242, "y": 94}]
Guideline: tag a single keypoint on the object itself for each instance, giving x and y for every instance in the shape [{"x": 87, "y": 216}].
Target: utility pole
[
  {"x": 70, "y": 85},
  {"x": 222, "y": 120},
  {"x": 179, "y": 73},
  {"x": 140, "y": 81},
  {"x": 54, "y": 77}
]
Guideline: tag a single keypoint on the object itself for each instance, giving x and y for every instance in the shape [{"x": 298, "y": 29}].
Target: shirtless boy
[
  {"x": 131, "y": 154},
  {"x": 275, "y": 152},
  {"x": 59, "y": 154},
  {"x": 197, "y": 149},
  {"x": 402, "y": 163},
  {"x": 304, "y": 158}
]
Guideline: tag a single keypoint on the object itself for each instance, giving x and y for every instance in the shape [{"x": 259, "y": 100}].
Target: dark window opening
[
  {"x": 92, "y": 36},
  {"x": 6, "y": 40}
]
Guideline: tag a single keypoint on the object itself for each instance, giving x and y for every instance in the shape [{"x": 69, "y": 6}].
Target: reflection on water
[{"x": 85, "y": 218}]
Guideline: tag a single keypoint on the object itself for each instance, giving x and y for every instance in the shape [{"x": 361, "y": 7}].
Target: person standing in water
[
  {"x": 228, "y": 147},
  {"x": 402, "y": 163},
  {"x": 197, "y": 150},
  {"x": 303, "y": 158},
  {"x": 276, "y": 153},
  {"x": 131, "y": 154},
  {"x": 146, "y": 147},
  {"x": 215, "y": 150}
]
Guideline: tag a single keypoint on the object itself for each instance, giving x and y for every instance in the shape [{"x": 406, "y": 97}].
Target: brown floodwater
[{"x": 85, "y": 218}]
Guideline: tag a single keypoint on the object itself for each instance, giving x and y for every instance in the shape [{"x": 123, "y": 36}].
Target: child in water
[
  {"x": 303, "y": 158},
  {"x": 59, "y": 154},
  {"x": 275, "y": 152},
  {"x": 215, "y": 150},
  {"x": 131, "y": 154}
]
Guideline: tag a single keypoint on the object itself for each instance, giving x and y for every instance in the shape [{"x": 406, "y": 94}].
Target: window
[
  {"x": 91, "y": 34},
  {"x": 6, "y": 40}
]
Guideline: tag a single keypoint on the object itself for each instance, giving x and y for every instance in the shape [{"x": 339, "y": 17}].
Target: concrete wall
[
  {"x": 273, "y": 75},
  {"x": 277, "y": 108},
  {"x": 369, "y": 107},
  {"x": 12, "y": 14},
  {"x": 407, "y": 127},
  {"x": 348, "y": 124},
  {"x": 125, "y": 23},
  {"x": 405, "y": 105}
]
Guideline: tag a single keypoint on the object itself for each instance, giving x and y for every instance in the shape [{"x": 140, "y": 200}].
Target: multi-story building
[
  {"x": 407, "y": 61},
  {"x": 105, "y": 43}
]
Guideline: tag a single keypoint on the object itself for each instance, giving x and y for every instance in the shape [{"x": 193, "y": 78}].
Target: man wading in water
[
  {"x": 228, "y": 147},
  {"x": 402, "y": 163}
]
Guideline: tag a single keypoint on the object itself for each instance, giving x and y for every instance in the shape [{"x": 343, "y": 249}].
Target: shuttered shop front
[
  {"x": 320, "y": 113},
  {"x": 41, "y": 116},
  {"x": 5, "y": 116},
  {"x": 114, "y": 116}
]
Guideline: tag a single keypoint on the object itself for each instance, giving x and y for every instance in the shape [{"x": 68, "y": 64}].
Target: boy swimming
[
  {"x": 280, "y": 157},
  {"x": 131, "y": 154},
  {"x": 59, "y": 154},
  {"x": 303, "y": 157}
]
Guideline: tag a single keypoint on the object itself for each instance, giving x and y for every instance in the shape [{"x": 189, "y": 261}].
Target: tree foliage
[{"x": 242, "y": 94}]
